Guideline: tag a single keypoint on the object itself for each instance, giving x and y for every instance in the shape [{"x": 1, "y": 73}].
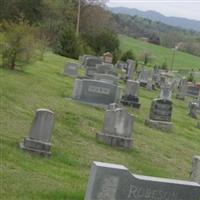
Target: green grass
[
  {"x": 182, "y": 60},
  {"x": 65, "y": 174}
]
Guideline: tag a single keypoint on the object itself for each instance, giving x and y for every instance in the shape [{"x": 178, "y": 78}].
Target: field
[
  {"x": 181, "y": 61},
  {"x": 65, "y": 175}
]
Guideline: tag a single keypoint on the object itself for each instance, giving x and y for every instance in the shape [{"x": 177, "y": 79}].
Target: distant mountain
[{"x": 156, "y": 16}]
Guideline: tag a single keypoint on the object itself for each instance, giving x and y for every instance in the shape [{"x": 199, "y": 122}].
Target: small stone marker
[
  {"x": 195, "y": 174},
  {"x": 143, "y": 77},
  {"x": 39, "y": 137},
  {"x": 165, "y": 92},
  {"x": 160, "y": 115},
  {"x": 117, "y": 128},
  {"x": 71, "y": 69},
  {"x": 131, "y": 94},
  {"x": 95, "y": 92},
  {"x": 115, "y": 182}
]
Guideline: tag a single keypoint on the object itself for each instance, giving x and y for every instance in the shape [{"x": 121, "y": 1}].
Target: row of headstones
[{"x": 111, "y": 181}]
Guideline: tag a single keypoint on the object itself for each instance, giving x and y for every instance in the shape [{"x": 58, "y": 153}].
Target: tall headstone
[
  {"x": 115, "y": 182},
  {"x": 149, "y": 85},
  {"x": 195, "y": 174},
  {"x": 71, "y": 69},
  {"x": 160, "y": 115},
  {"x": 40, "y": 133},
  {"x": 182, "y": 89},
  {"x": 131, "y": 94},
  {"x": 130, "y": 69},
  {"x": 117, "y": 128},
  {"x": 95, "y": 92}
]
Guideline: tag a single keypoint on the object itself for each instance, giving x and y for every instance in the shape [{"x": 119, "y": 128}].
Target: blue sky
[{"x": 177, "y": 8}]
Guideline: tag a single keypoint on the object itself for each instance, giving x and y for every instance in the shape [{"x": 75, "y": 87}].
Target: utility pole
[{"x": 78, "y": 18}]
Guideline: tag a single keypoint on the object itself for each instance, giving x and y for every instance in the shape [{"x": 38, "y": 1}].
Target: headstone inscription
[
  {"x": 182, "y": 89},
  {"x": 117, "y": 128},
  {"x": 160, "y": 115},
  {"x": 71, "y": 69},
  {"x": 39, "y": 137},
  {"x": 115, "y": 182},
  {"x": 107, "y": 78},
  {"x": 195, "y": 173},
  {"x": 94, "y": 92},
  {"x": 130, "y": 97}
]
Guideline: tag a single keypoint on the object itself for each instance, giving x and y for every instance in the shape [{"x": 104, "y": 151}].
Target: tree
[
  {"x": 128, "y": 55},
  {"x": 19, "y": 44}
]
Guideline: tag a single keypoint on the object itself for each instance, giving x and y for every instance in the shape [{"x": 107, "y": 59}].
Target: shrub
[
  {"x": 190, "y": 78},
  {"x": 128, "y": 55},
  {"x": 164, "y": 65},
  {"x": 146, "y": 57},
  {"x": 19, "y": 44}
]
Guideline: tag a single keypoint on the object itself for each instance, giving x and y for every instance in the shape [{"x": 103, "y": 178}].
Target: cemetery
[{"x": 97, "y": 105}]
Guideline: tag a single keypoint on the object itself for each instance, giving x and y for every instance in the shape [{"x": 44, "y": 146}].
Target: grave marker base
[
  {"x": 125, "y": 143},
  {"x": 160, "y": 125},
  {"x": 34, "y": 146}
]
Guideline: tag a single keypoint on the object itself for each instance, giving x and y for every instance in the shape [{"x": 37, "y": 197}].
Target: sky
[{"x": 176, "y": 8}]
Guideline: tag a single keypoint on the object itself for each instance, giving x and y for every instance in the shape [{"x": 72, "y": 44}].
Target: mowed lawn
[
  {"x": 160, "y": 54},
  {"x": 65, "y": 175}
]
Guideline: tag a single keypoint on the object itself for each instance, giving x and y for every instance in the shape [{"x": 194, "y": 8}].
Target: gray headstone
[
  {"x": 195, "y": 174},
  {"x": 117, "y": 128},
  {"x": 130, "y": 69},
  {"x": 115, "y": 182},
  {"x": 193, "y": 110},
  {"x": 131, "y": 94},
  {"x": 165, "y": 92},
  {"x": 160, "y": 115},
  {"x": 105, "y": 68},
  {"x": 143, "y": 77},
  {"x": 71, "y": 69},
  {"x": 182, "y": 89},
  {"x": 193, "y": 91},
  {"x": 40, "y": 133},
  {"x": 149, "y": 85},
  {"x": 94, "y": 92},
  {"x": 107, "y": 78}
]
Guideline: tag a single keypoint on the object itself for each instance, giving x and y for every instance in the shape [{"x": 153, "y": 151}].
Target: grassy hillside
[
  {"x": 182, "y": 60},
  {"x": 65, "y": 174}
]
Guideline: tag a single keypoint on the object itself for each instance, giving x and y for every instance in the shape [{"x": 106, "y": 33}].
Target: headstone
[
  {"x": 108, "y": 57},
  {"x": 182, "y": 89},
  {"x": 115, "y": 182},
  {"x": 160, "y": 115},
  {"x": 121, "y": 64},
  {"x": 39, "y": 137},
  {"x": 107, "y": 78},
  {"x": 90, "y": 65},
  {"x": 193, "y": 110},
  {"x": 94, "y": 92},
  {"x": 156, "y": 75},
  {"x": 71, "y": 69},
  {"x": 117, "y": 128},
  {"x": 130, "y": 97},
  {"x": 193, "y": 91},
  {"x": 130, "y": 69},
  {"x": 105, "y": 68},
  {"x": 143, "y": 77},
  {"x": 149, "y": 85},
  {"x": 165, "y": 92},
  {"x": 195, "y": 174}
]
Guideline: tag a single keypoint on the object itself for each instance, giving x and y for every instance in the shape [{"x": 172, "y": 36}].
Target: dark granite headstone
[{"x": 115, "y": 182}]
